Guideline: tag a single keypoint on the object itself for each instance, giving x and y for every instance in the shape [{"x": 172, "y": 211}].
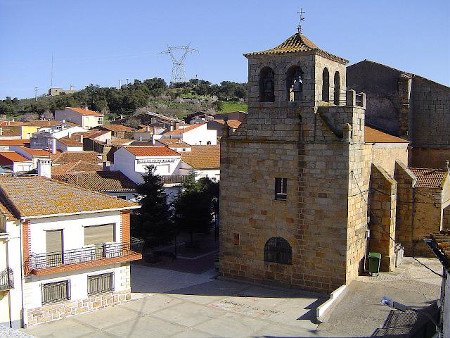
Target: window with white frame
[
  {"x": 100, "y": 283},
  {"x": 280, "y": 188},
  {"x": 55, "y": 292}
]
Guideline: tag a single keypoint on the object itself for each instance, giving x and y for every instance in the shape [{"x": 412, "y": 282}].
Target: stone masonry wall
[
  {"x": 429, "y": 157},
  {"x": 51, "y": 312},
  {"x": 427, "y": 218},
  {"x": 431, "y": 114},
  {"x": 405, "y": 207},
  {"x": 383, "y": 198}
]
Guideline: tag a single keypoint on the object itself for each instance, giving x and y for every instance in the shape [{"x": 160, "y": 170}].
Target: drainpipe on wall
[{"x": 22, "y": 278}]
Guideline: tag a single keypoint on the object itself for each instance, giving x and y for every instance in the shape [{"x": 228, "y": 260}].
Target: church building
[{"x": 305, "y": 193}]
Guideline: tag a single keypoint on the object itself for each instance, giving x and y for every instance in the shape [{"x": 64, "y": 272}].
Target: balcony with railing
[
  {"x": 174, "y": 179},
  {"x": 6, "y": 279},
  {"x": 89, "y": 256}
]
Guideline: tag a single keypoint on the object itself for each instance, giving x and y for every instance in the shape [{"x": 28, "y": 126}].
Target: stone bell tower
[{"x": 291, "y": 212}]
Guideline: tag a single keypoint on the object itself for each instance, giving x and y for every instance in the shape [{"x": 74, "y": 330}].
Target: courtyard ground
[{"x": 182, "y": 298}]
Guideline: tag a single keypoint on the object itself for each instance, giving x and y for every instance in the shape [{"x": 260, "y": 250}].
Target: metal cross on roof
[{"x": 302, "y": 18}]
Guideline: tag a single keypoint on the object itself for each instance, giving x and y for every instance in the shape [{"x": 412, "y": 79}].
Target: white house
[
  {"x": 14, "y": 162},
  {"x": 32, "y": 154},
  {"x": 45, "y": 138},
  {"x": 10, "y": 270},
  {"x": 204, "y": 161},
  {"x": 83, "y": 117},
  {"x": 133, "y": 161},
  {"x": 193, "y": 134},
  {"x": 75, "y": 247}
]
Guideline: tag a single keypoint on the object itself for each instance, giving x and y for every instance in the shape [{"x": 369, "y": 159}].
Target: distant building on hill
[{"x": 60, "y": 91}]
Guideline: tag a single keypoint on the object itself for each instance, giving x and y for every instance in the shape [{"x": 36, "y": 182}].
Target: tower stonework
[{"x": 295, "y": 174}]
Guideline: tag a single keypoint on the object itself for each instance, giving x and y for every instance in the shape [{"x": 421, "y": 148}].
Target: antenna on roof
[
  {"x": 178, "y": 74},
  {"x": 302, "y": 18}
]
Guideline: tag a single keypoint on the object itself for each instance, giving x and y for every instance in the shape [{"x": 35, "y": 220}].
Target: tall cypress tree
[{"x": 153, "y": 221}]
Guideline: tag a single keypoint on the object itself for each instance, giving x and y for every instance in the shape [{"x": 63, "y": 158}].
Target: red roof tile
[
  {"x": 36, "y": 152},
  {"x": 372, "y": 135},
  {"x": 18, "y": 142},
  {"x": 428, "y": 177},
  {"x": 75, "y": 156},
  {"x": 202, "y": 157},
  {"x": 117, "y": 127},
  {"x": 9, "y": 157},
  {"x": 79, "y": 166},
  {"x": 85, "y": 112},
  {"x": 151, "y": 151},
  {"x": 180, "y": 131},
  {"x": 101, "y": 181}
]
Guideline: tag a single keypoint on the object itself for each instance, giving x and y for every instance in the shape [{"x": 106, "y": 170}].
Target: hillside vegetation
[{"x": 178, "y": 99}]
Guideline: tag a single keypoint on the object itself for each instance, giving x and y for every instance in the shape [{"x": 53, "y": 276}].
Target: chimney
[
  {"x": 81, "y": 138},
  {"x": 53, "y": 145},
  {"x": 106, "y": 165},
  {"x": 44, "y": 167}
]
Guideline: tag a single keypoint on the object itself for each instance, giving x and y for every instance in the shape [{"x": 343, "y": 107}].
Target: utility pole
[
  {"x": 51, "y": 74},
  {"x": 35, "y": 93},
  {"x": 178, "y": 55}
]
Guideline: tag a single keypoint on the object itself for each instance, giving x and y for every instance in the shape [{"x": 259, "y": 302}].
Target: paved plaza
[{"x": 169, "y": 303}]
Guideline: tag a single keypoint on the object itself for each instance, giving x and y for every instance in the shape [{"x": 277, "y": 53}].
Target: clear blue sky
[{"x": 104, "y": 41}]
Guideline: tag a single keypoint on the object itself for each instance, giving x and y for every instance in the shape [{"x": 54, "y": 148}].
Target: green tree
[
  {"x": 153, "y": 222},
  {"x": 193, "y": 208}
]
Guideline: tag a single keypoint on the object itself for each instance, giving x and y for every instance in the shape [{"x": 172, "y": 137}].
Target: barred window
[
  {"x": 55, "y": 292},
  {"x": 278, "y": 250},
  {"x": 280, "y": 188},
  {"x": 100, "y": 283}
]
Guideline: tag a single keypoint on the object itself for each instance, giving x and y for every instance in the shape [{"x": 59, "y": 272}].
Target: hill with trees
[{"x": 176, "y": 99}]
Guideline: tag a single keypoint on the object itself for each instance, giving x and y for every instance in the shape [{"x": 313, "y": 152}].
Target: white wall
[
  {"x": 68, "y": 115},
  {"x": 78, "y": 283},
  {"x": 14, "y": 261},
  {"x": 213, "y": 174},
  {"x": 22, "y": 166},
  {"x": 82, "y": 120},
  {"x": 200, "y": 136},
  {"x": 73, "y": 229},
  {"x": 134, "y": 167}
]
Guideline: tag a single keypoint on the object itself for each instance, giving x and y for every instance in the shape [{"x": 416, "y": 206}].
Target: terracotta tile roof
[
  {"x": 6, "y": 212},
  {"x": 181, "y": 131},
  {"x": 231, "y": 123},
  {"x": 101, "y": 181},
  {"x": 151, "y": 151},
  {"x": 9, "y": 157},
  {"x": 115, "y": 141},
  {"x": 117, "y": 127},
  {"x": 372, "y": 135},
  {"x": 85, "y": 112},
  {"x": 37, "y": 196},
  {"x": 11, "y": 123},
  {"x": 294, "y": 44},
  {"x": 442, "y": 241},
  {"x": 92, "y": 134},
  {"x": 36, "y": 152},
  {"x": 70, "y": 142},
  {"x": 42, "y": 123},
  {"x": 428, "y": 177},
  {"x": 174, "y": 143},
  {"x": 75, "y": 156},
  {"x": 79, "y": 166},
  {"x": 11, "y": 131},
  {"x": 19, "y": 142},
  {"x": 203, "y": 157}
]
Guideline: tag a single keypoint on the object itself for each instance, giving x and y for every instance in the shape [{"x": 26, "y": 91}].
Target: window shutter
[
  {"x": 54, "y": 240},
  {"x": 98, "y": 234}
]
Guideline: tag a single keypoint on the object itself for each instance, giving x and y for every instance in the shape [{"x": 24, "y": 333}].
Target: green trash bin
[{"x": 374, "y": 263}]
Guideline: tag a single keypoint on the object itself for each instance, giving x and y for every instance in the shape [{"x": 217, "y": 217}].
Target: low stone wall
[{"x": 50, "y": 312}]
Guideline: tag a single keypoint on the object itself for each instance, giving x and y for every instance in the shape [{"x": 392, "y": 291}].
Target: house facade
[
  {"x": 75, "y": 249},
  {"x": 133, "y": 161},
  {"x": 83, "y": 117},
  {"x": 193, "y": 134}
]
